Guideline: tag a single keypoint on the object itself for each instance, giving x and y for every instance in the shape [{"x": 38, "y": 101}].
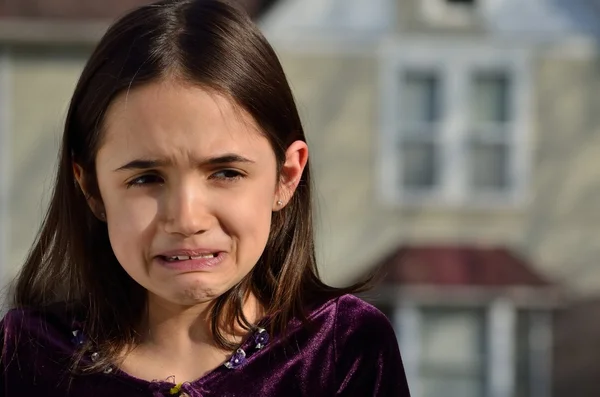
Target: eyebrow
[{"x": 144, "y": 164}]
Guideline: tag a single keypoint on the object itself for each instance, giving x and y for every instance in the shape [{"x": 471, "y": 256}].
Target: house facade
[{"x": 458, "y": 125}]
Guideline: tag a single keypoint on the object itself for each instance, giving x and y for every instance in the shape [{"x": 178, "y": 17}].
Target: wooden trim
[
  {"x": 5, "y": 160},
  {"x": 543, "y": 298},
  {"x": 501, "y": 346},
  {"x": 407, "y": 323}
]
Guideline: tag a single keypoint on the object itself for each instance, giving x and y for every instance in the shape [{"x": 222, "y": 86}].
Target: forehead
[{"x": 170, "y": 115}]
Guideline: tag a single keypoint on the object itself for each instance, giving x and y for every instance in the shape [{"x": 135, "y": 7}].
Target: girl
[{"x": 177, "y": 255}]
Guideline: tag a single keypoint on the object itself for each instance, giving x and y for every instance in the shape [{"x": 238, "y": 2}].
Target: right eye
[{"x": 148, "y": 179}]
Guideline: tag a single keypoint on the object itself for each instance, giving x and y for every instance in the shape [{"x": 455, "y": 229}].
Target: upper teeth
[{"x": 187, "y": 257}]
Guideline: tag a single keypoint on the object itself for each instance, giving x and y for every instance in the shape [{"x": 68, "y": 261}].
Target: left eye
[
  {"x": 144, "y": 180},
  {"x": 227, "y": 175}
]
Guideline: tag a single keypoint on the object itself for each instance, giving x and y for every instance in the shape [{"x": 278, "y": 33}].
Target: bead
[
  {"x": 95, "y": 356},
  {"x": 108, "y": 370},
  {"x": 261, "y": 338},
  {"x": 78, "y": 337},
  {"x": 237, "y": 359},
  {"x": 175, "y": 389}
]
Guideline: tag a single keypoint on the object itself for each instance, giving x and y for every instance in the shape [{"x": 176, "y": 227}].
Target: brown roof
[
  {"x": 458, "y": 266},
  {"x": 89, "y": 9}
]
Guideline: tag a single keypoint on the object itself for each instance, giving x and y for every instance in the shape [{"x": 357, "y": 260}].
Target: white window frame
[
  {"x": 499, "y": 337},
  {"x": 5, "y": 160},
  {"x": 456, "y": 61}
]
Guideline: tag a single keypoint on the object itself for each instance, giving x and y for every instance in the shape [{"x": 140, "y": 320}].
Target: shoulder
[
  {"x": 355, "y": 325},
  {"x": 356, "y": 318},
  {"x": 58, "y": 314},
  {"x": 39, "y": 327},
  {"x": 367, "y": 355},
  {"x": 38, "y": 347},
  {"x": 356, "y": 309}
]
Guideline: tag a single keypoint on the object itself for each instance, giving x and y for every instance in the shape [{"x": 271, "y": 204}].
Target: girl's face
[{"x": 189, "y": 184}]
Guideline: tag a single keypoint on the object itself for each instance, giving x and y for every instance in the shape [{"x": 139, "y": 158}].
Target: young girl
[{"x": 177, "y": 255}]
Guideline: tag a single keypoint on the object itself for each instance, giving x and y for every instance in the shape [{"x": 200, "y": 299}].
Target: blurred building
[
  {"x": 456, "y": 145},
  {"x": 456, "y": 148}
]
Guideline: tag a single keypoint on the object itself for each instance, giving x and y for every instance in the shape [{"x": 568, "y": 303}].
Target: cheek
[
  {"x": 130, "y": 224},
  {"x": 248, "y": 220}
]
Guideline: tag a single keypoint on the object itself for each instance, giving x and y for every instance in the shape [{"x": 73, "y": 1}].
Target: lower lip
[{"x": 193, "y": 265}]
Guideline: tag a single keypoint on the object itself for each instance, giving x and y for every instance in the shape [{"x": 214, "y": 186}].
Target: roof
[
  {"x": 295, "y": 19},
  {"x": 546, "y": 20},
  {"x": 90, "y": 9},
  {"x": 458, "y": 266},
  {"x": 75, "y": 22}
]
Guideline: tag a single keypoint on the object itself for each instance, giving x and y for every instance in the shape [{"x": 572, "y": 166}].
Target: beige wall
[
  {"x": 42, "y": 83},
  {"x": 562, "y": 231},
  {"x": 558, "y": 231}
]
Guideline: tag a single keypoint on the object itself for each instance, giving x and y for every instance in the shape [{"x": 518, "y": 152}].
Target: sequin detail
[
  {"x": 237, "y": 359},
  {"x": 78, "y": 337},
  {"x": 261, "y": 338}
]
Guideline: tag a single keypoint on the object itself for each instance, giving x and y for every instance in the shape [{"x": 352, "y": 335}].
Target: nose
[{"x": 186, "y": 210}]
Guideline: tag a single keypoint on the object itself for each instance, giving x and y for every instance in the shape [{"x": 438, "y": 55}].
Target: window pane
[
  {"x": 489, "y": 165},
  {"x": 453, "y": 348},
  {"x": 419, "y": 165},
  {"x": 451, "y": 386},
  {"x": 420, "y": 96},
  {"x": 453, "y": 337},
  {"x": 490, "y": 96}
]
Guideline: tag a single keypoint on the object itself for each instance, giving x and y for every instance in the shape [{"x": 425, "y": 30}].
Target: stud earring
[
  {"x": 103, "y": 216},
  {"x": 279, "y": 202}
]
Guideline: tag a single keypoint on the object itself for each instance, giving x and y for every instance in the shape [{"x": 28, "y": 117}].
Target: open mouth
[{"x": 179, "y": 258}]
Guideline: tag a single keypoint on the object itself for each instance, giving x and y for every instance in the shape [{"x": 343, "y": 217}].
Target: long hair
[{"x": 213, "y": 45}]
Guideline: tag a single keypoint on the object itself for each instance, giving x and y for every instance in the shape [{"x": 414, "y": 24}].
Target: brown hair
[{"x": 216, "y": 46}]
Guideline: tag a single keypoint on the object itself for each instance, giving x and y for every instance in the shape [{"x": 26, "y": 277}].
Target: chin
[{"x": 196, "y": 293}]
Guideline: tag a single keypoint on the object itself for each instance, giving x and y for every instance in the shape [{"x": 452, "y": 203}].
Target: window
[
  {"x": 489, "y": 132},
  {"x": 419, "y": 138},
  {"x": 454, "y": 369},
  {"x": 460, "y": 351},
  {"x": 449, "y": 13},
  {"x": 455, "y": 125}
]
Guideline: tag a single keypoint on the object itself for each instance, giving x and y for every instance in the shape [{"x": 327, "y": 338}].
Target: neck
[
  {"x": 177, "y": 328},
  {"x": 181, "y": 336}
]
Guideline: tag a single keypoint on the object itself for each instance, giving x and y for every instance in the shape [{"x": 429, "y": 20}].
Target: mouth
[
  {"x": 179, "y": 258},
  {"x": 192, "y": 260}
]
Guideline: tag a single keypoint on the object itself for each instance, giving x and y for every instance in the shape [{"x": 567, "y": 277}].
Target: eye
[
  {"x": 148, "y": 179},
  {"x": 227, "y": 175}
]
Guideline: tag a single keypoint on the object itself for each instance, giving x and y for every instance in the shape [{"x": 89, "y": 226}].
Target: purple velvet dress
[{"x": 351, "y": 352}]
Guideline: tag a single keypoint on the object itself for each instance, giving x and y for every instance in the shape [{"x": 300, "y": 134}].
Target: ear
[
  {"x": 296, "y": 157},
  {"x": 96, "y": 207}
]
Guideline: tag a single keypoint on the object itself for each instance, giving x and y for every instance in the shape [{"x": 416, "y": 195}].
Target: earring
[
  {"x": 279, "y": 203},
  {"x": 103, "y": 216}
]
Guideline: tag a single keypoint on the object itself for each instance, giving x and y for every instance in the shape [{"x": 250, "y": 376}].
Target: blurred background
[{"x": 456, "y": 146}]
